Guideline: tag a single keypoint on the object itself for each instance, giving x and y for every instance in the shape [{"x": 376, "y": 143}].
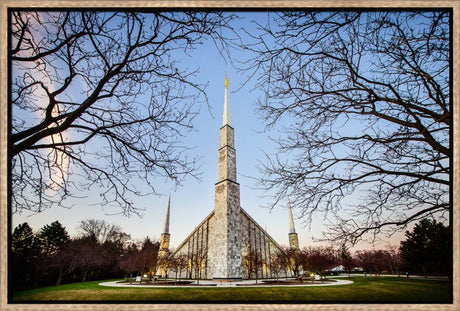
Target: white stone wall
[
  {"x": 196, "y": 248},
  {"x": 293, "y": 241},
  {"x": 226, "y": 155},
  {"x": 207, "y": 236},
  {"x": 225, "y": 244},
  {"x": 257, "y": 239}
]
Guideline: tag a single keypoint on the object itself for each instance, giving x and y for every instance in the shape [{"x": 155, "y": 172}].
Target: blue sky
[{"x": 194, "y": 200}]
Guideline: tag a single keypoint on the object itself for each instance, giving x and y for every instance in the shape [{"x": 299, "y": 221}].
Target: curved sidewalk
[{"x": 206, "y": 283}]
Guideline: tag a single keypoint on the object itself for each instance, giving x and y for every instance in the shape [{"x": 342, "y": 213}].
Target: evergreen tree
[
  {"x": 53, "y": 237},
  {"x": 427, "y": 248},
  {"x": 22, "y": 240},
  {"x": 25, "y": 248}
]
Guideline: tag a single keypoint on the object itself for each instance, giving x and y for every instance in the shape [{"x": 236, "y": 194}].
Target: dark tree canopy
[
  {"x": 53, "y": 237},
  {"x": 22, "y": 238},
  {"x": 319, "y": 259},
  {"x": 373, "y": 261},
  {"x": 427, "y": 248},
  {"x": 102, "y": 231},
  {"x": 100, "y": 100},
  {"x": 359, "y": 104}
]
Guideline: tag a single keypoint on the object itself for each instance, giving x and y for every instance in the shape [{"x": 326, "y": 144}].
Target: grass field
[{"x": 364, "y": 289}]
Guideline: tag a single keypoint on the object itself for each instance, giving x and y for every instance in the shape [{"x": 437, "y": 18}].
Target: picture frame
[{"x": 237, "y": 5}]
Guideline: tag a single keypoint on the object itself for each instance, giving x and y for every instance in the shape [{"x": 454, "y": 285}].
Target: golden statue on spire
[{"x": 226, "y": 116}]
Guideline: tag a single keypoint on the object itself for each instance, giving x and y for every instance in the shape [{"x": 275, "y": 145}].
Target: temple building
[{"x": 220, "y": 247}]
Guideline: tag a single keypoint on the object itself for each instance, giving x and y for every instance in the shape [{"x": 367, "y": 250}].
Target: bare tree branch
[
  {"x": 99, "y": 99},
  {"x": 359, "y": 104}
]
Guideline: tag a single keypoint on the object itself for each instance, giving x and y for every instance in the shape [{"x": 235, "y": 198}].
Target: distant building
[{"x": 220, "y": 244}]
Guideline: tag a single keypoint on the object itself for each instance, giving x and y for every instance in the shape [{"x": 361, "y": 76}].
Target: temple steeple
[
  {"x": 165, "y": 237},
  {"x": 225, "y": 252},
  {"x": 166, "y": 226},
  {"x": 220, "y": 245},
  {"x": 293, "y": 237}
]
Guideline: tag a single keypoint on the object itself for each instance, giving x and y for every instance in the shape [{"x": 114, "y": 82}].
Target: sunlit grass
[{"x": 364, "y": 289}]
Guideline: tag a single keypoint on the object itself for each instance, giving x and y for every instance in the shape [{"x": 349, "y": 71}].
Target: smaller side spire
[
  {"x": 291, "y": 219},
  {"x": 164, "y": 240},
  {"x": 293, "y": 237},
  {"x": 165, "y": 236},
  {"x": 166, "y": 226}
]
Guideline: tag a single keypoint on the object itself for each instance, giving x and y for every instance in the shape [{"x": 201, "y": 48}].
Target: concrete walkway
[{"x": 206, "y": 283}]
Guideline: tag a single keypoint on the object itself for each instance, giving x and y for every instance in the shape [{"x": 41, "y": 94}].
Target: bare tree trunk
[
  {"x": 58, "y": 282},
  {"x": 85, "y": 272}
]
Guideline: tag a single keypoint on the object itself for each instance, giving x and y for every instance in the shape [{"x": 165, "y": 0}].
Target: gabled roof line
[
  {"x": 261, "y": 229},
  {"x": 190, "y": 235}
]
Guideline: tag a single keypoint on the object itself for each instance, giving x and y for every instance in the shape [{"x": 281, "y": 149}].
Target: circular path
[{"x": 206, "y": 283}]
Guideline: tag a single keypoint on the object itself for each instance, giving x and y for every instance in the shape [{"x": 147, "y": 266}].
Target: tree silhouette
[
  {"x": 86, "y": 255},
  {"x": 319, "y": 259},
  {"x": 25, "y": 250},
  {"x": 178, "y": 263},
  {"x": 252, "y": 263},
  {"x": 23, "y": 240},
  {"x": 129, "y": 261},
  {"x": 54, "y": 254},
  {"x": 427, "y": 248},
  {"x": 359, "y": 104},
  {"x": 347, "y": 260},
  {"x": 373, "y": 261},
  {"x": 148, "y": 260},
  {"x": 103, "y": 231},
  {"x": 99, "y": 99},
  {"x": 53, "y": 237},
  {"x": 278, "y": 263},
  {"x": 294, "y": 260}
]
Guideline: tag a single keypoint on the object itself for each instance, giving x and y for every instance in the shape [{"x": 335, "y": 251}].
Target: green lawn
[{"x": 364, "y": 289}]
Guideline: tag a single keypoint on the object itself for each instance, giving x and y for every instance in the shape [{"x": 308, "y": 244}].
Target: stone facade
[
  {"x": 227, "y": 155},
  {"x": 164, "y": 242},
  {"x": 217, "y": 247},
  {"x": 225, "y": 252},
  {"x": 202, "y": 248},
  {"x": 293, "y": 241},
  {"x": 293, "y": 238},
  {"x": 257, "y": 240}
]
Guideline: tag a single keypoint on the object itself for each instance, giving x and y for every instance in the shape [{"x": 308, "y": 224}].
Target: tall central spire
[
  {"x": 225, "y": 253},
  {"x": 226, "y": 117}
]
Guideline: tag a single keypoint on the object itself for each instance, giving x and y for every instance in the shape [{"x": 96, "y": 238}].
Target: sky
[{"x": 194, "y": 200}]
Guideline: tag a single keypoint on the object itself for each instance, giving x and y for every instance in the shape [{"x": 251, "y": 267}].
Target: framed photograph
[{"x": 226, "y": 155}]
